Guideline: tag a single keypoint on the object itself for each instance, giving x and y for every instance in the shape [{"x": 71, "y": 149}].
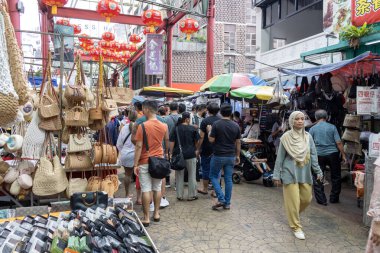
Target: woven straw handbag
[
  {"x": 97, "y": 125},
  {"x": 77, "y": 116},
  {"x": 109, "y": 154},
  {"x": 48, "y": 107},
  {"x": 76, "y": 92},
  {"x": 98, "y": 153},
  {"x": 76, "y": 185},
  {"x": 25, "y": 181},
  {"x": 96, "y": 113},
  {"x": 50, "y": 178},
  {"x": 78, "y": 161},
  {"x": 353, "y": 148},
  {"x": 15, "y": 188},
  {"x": 3, "y": 167},
  {"x": 79, "y": 143},
  {"x": 15, "y": 59},
  {"x": 51, "y": 124},
  {"x": 8, "y": 109},
  {"x": 352, "y": 121},
  {"x": 66, "y": 135},
  {"x": 94, "y": 184},
  {"x": 109, "y": 105},
  {"x": 108, "y": 187},
  {"x": 115, "y": 180},
  {"x": 11, "y": 175},
  {"x": 351, "y": 135}
]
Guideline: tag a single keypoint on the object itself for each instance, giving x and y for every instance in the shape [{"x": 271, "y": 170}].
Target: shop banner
[
  {"x": 363, "y": 100},
  {"x": 153, "y": 59},
  {"x": 374, "y": 145},
  {"x": 365, "y": 11},
  {"x": 336, "y": 14},
  {"x": 375, "y": 100},
  {"x": 67, "y": 41}
]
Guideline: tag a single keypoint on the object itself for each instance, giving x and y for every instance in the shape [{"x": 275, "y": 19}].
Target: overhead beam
[
  {"x": 66, "y": 12},
  {"x": 173, "y": 8}
]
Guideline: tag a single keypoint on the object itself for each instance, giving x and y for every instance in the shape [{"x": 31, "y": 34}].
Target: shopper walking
[
  {"x": 373, "y": 243},
  {"x": 156, "y": 134},
  {"x": 329, "y": 148},
  {"x": 296, "y": 158},
  {"x": 127, "y": 152},
  {"x": 225, "y": 135},
  {"x": 206, "y": 148},
  {"x": 186, "y": 136},
  {"x": 172, "y": 119},
  {"x": 199, "y": 116},
  {"x": 138, "y": 108}
]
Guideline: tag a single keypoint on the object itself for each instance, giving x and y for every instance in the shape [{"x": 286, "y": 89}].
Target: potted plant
[{"x": 353, "y": 34}]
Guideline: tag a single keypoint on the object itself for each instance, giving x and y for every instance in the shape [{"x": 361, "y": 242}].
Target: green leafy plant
[{"x": 353, "y": 34}]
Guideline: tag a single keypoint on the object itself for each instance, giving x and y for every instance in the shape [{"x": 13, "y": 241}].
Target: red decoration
[
  {"x": 108, "y": 9},
  {"x": 63, "y": 21},
  {"x": 152, "y": 18},
  {"x": 79, "y": 52},
  {"x": 104, "y": 44},
  {"x": 55, "y": 4},
  {"x": 134, "y": 38},
  {"x": 108, "y": 36},
  {"x": 146, "y": 30},
  {"x": 77, "y": 29},
  {"x": 117, "y": 46},
  {"x": 131, "y": 48},
  {"x": 87, "y": 44},
  {"x": 84, "y": 38},
  {"x": 189, "y": 26},
  {"x": 123, "y": 46}
]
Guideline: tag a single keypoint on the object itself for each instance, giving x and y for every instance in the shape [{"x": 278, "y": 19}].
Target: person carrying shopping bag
[
  {"x": 296, "y": 159},
  {"x": 185, "y": 138}
]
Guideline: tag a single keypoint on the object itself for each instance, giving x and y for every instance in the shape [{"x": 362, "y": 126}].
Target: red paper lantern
[
  {"x": 104, "y": 44},
  {"x": 123, "y": 46},
  {"x": 88, "y": 44},
  {"x": 78, "y": 52},
  {"x": 146, "y": 30},
  {"x": 77, "y": 29},
  {"x": 55, "y": 4},
  {"x": 134, "y": 38},
  {"x": 84, "y": 38},
  {"x": 132, "y": 48},
  {"x": 152, "y": 18},
  {"x": 189, "y": 26},
  {"x": 108, "y": 9},
  {"x": 63, "y": 21},
  {"x": 117, "y": 46},
  {"x": 108, "y": 36}
]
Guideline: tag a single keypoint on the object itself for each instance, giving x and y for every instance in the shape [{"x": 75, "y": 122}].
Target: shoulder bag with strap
[
  {"x": 178, "y": 161},
  {"x": 159, "y": 167}
]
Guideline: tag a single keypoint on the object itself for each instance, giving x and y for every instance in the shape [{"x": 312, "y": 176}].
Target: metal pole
[
  {"x": 61, "y": 56},
  {"x": 210, "y": 39},
  {"x": 169, "y": 56},
  {"x": 15, "y": 19}
]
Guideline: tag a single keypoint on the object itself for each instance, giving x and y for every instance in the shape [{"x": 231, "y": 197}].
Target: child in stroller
[{"x": 252, "y": 168}]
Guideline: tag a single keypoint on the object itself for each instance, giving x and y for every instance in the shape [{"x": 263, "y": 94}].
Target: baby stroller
[{"x": 248, "y": 169}]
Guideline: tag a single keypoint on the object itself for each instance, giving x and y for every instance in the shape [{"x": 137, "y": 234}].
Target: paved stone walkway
[{"x": 257, "y": 223}]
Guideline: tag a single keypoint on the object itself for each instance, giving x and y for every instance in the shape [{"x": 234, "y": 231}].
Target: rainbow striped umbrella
[
  {"x": 250, "y": 92},
  {"x": 226, "y": 82}
]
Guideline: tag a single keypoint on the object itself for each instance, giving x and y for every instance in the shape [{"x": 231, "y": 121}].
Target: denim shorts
[{"x": 205, "y": 164}]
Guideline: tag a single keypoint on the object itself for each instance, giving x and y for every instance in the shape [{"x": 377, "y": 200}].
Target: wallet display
[{"x": 98, "y": 231}]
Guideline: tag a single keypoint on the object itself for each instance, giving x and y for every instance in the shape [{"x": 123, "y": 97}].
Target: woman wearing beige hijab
[{"x": 296, "y": 159}]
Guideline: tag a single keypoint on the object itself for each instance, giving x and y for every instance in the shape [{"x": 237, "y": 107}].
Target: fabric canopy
[
  {"x": 250, "y": 92},
  {"x": 153, "y": 91},
  {"x": 342, "y": 66}
]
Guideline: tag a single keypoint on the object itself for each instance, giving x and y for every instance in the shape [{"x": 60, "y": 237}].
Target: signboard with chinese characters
[
  {"x": 153, "y": 58},
  {"x": 336, "y": 14},
  {"x": 364, "y": 96},
  {"x": 365, "y": 11}
]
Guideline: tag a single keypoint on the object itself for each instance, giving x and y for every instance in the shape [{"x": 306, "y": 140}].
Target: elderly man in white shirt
[{"x": 252, "y": 130}]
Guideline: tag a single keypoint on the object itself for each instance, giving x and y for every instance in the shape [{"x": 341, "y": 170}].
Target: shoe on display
[
  {"x": 151, "y": 207},
  {"x": 164, "y": 202},
  {"x": 299, "y": 235}
]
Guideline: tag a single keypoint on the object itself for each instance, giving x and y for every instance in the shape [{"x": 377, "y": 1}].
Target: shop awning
[
  {"x": 154, "y": 91},
  {"x": 187, "y": 86},
  {"x": 364, "y": 61}
]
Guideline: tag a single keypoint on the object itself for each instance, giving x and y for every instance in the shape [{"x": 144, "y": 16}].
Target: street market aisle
[{"x": 257, "y": 223}]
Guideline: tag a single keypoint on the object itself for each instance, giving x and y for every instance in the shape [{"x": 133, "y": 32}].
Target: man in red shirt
[{"x": 156, "y": 133}]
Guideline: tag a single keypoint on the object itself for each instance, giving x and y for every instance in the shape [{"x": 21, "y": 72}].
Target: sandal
[
  {"x": 202, "y": 192},
  {"x": 217, "y": 205},
  {"x": 213, "y": 194},
  {"x": 180, "y": 199},
  {"x": 145, "y": 224},
  {"x": 156, "y": 219},
  {"x": 192, "y": 198}
]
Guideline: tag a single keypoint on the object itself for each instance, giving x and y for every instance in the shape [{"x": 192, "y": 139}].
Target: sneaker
[
  {"x": 164, "y": 202},
  {"x": 299, "y": 235},
  {"x": 151, "y": 207},
  {"x": 168, "y": 186}
]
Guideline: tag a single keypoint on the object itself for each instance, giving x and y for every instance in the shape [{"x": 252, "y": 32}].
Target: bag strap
[
  {"x": 145, "y": 138},
  {"x": 126, "y": 138},
  {"x": 179, "y": 141}
]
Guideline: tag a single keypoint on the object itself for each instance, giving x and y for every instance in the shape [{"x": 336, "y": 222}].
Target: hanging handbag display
[
  {"x": 351, "y": 135},
  {"x": 78, "y": 143},
  {"x": 97, "y": 112},
  {"x": 159, "y": 167},
  {"x": 76, "y": 185},
  {"x": 78, "y": 161},
  {"x": 109, "y": 105},
  {"x": 94, "y": 184},
  {"x": 48, "y": 107},
  {"x": 84, "y": 200},
  {"x": 77, "y": 92},
  {"x": 51, "y": 124},
  {"x": 352, "y": 121},
  {"x": 353, "y": 148},
  {"x": 178, "y": 161},
  {"x": 109, "y": 154},
  {"x": 98, "y": 153},
  {"x": 77, "y": 116}
]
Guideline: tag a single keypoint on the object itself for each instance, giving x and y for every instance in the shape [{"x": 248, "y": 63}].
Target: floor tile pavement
[{"x": 256, "y": 223}]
